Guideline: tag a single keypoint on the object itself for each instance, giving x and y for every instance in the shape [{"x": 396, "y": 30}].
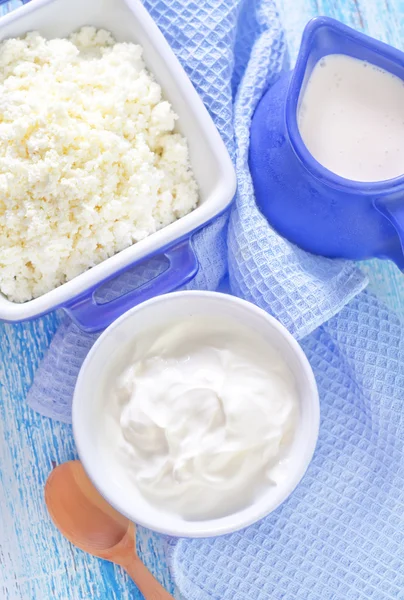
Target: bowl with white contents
[
  {"x": 196, "y": 414},
  {"x": 108, "y": 157}
]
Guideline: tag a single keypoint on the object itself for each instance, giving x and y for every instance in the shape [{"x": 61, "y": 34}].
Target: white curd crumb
[{"x": 89, "y": 160}]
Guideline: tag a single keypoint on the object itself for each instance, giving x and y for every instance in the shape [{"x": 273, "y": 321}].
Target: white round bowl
[{"x": 154, "y": 314}]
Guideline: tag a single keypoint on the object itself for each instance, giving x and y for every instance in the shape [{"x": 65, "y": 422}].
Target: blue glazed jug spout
[{"x": 306, "y": 203}]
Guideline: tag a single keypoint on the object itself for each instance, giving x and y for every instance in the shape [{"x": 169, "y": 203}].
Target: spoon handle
[{"x": 147, "y": 584}]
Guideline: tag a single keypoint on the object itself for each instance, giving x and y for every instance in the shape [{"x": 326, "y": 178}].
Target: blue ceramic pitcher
[{"x": 306, "y": 203}]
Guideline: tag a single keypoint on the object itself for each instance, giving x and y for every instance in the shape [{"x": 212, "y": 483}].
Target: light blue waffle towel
[{"x": 341, "y": 534}]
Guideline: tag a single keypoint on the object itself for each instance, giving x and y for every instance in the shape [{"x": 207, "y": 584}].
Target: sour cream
[
  {"x": 351, "y": 118},
  {"x": 200, "y": 417}
]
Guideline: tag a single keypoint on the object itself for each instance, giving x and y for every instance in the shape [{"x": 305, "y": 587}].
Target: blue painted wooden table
[{"x": 35, "y": 561}]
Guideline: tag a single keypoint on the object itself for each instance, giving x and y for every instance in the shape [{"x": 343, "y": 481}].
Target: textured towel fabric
[
  {"x": 232, "y": 50},
  {"x": 340, "y": 535}
]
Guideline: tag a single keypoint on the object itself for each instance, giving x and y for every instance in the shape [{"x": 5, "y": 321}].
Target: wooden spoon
[{"x": 83, "y": 516}]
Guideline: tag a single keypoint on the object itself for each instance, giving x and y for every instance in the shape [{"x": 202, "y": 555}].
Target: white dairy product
[
  {"x": 199, "y": 417},
  {"x": 89, "y": 159},
  {"x": 351, "y": 118}
]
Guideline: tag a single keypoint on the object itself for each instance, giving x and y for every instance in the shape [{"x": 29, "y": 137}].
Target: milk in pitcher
[{"x": 351, "y": 119}]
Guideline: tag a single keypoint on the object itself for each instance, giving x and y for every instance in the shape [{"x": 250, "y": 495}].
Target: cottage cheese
[{"x": 89, "y": 161}]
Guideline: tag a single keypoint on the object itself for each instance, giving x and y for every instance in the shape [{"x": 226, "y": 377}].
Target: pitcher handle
[
  {"x": 92, "y": 317},
  {"x": 393, "y": 210}
]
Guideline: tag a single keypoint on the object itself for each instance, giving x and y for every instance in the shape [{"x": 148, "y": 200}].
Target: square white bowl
[{"x": 129, "y": 21}]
